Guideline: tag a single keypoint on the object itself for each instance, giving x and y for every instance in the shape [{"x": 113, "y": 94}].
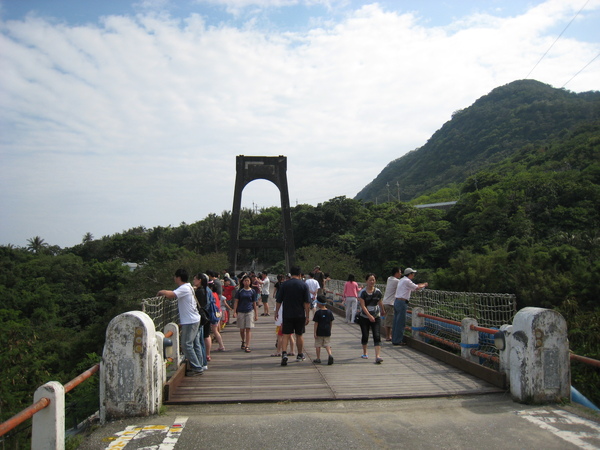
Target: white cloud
[{"x": 137, "y": 120}]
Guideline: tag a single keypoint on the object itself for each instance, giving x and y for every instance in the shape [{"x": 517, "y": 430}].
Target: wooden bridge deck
[{"x": 236, "y": 376}]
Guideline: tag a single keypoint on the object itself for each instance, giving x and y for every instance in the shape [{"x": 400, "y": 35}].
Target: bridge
[
  {"x": 258, "y": 377},
  {"x": 304, "y": 396}
]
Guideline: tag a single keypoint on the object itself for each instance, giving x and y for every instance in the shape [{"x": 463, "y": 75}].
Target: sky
[{"x": 116, "y": 114}]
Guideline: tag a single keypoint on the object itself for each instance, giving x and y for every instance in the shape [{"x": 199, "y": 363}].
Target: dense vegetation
[
  {"x": 528, "y": 224},
  {"x": 492, "y": 129}
]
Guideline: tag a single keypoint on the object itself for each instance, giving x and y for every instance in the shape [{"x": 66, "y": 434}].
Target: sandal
[
  {"x": 208, "y": 358},
  {"x": 221, "y": 349},
  {"x": 276, "y": 354},
  {"x": 243, "y": 345},
  {"x": 247, "y": 350}
]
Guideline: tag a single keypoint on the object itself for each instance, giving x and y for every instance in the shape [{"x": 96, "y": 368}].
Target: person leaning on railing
[
  {"x": 403, "y": 291},
  {"x": 190, "y": 321},
  {"x": 388, "y": 302}
]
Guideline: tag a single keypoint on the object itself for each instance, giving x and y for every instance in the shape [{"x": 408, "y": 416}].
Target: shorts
[
  {"x": 294, "y": 325},
  {"x": 322, "y": 341},
  {"x": 245, "y": 320},
  {"x": 264, "y": 298},
  {"x": 389, "y": 316},
  {"x": 278, "y": 330}
]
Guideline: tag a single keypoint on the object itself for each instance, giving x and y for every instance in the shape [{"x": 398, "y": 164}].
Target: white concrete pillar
[
  {"x": 539, "y": 357},
  {"x": 132, "y": 368},
  {"x": 417, "y": 324},
  {"x": 173, "y": 351},
  {"x": 504, "y": 355},
  {"x": 48, "y": 425},
  {"x": 469, "y": 339}
]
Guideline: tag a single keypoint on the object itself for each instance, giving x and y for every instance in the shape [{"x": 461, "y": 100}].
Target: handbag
[{"x": 203, "y": 316}]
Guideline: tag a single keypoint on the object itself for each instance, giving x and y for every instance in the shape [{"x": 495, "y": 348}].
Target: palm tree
[
  {"x": 36, "y": 244},
  {"x": 88, "y": 237}
]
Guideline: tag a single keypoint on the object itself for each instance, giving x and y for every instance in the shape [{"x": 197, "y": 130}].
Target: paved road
[{"x": 473, "y": 422}]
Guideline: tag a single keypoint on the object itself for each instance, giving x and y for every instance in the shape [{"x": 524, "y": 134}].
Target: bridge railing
[
  {"x": 161, "y": 310},
  {"x": 48, "y": 430},
  {"x": 445, "y": 311}
]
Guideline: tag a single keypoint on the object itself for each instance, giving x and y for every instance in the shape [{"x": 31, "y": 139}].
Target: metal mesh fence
[
  {"x": 161, "y": 310},
  {"x": 490, "y": 311}
]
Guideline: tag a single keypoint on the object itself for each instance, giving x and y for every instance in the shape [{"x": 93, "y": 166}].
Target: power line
[
  {"x": 582, "y": 69},
  {"x": 561, "y": 33}
]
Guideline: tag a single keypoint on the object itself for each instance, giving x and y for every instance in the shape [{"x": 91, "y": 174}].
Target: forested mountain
[{"x": 495, "y": 127}]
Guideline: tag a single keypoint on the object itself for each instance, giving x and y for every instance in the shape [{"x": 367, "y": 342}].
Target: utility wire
[
  {"x": 580, "y": 70},
  {"x": 561, "y": 33}
]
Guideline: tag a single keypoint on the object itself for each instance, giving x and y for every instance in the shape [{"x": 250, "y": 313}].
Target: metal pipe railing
[
  {"x": 24, "y": 415},
  {"x": 44, "y": 402},
  {"x": 585, "y": 360},
  {"x": 81, "y": 378}
]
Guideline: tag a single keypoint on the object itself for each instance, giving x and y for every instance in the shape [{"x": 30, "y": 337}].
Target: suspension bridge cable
[
  {"x": 561, "y": 33},
  {"x": 582, "y": 69}
]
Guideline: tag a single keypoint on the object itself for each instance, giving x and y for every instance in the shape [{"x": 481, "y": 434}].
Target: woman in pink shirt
[{"x": 350, "y": 298}]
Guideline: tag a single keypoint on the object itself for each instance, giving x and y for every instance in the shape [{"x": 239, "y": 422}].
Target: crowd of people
[{"x": 209, "y": 302}]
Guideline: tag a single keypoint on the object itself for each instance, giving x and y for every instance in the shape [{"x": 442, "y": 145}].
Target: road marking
[
  {"x": 134, "y": 432},
  {"x": 578, "y": 431}
]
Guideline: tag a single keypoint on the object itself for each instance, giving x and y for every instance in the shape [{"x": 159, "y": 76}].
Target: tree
[{"x": 36, "y": 244}]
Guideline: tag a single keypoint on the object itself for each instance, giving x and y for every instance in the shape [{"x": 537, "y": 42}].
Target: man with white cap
[{"x": 403, "y": 291}]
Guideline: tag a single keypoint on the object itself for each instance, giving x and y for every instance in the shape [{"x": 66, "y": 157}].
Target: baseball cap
[{"x": 408, "y": 271}]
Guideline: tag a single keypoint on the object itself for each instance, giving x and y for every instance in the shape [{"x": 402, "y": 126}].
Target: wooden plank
[
  {"x": 491, "y": 376},
  {"x": 236, "y": 376}
]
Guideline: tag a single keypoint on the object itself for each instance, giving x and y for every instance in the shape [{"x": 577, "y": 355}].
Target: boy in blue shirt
[{"x": 323, "y": 319}]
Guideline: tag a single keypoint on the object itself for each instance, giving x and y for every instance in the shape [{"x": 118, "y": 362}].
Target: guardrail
[
  {"x": 42, "y": 432},
  {"x": 486, "y": 331},
  {"x": 45, "y": 433},
  {"x": 585, "y": 360},
  {"x": 474, "y": 348}
]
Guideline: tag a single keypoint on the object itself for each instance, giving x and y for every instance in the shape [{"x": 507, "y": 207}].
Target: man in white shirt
[
  {"x": 403, "y": 291},
  {"x": 313, "y": 287},
  {"x": 388, "y": 302},
  {"x": 264, "y": 292},
  {"x": 189, "y": 318}
]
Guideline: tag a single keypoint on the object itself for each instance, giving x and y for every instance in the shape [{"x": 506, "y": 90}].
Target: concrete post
[
  {"x": 504, "y": 355},
  {"x": 49, "y": 424},
  {"x": 132, "y": 371},
  {"x": 173, "y": 351},
  {"x": 159, "y": 372},
  {"x": 539, "y": 357},
  {"x": 469, "y": 339},
  {"x": 417, "y": 324}
]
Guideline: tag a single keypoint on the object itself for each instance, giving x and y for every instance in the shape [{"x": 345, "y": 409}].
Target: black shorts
[{"x": 294, "y": 325}]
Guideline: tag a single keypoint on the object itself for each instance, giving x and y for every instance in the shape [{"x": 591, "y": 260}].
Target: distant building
[
  {"x": 132, "y": 266},
  {"x": 443, "y": 205}
]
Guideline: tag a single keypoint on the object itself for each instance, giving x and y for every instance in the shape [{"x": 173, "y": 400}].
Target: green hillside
[{"x": 493, "y": 128}]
